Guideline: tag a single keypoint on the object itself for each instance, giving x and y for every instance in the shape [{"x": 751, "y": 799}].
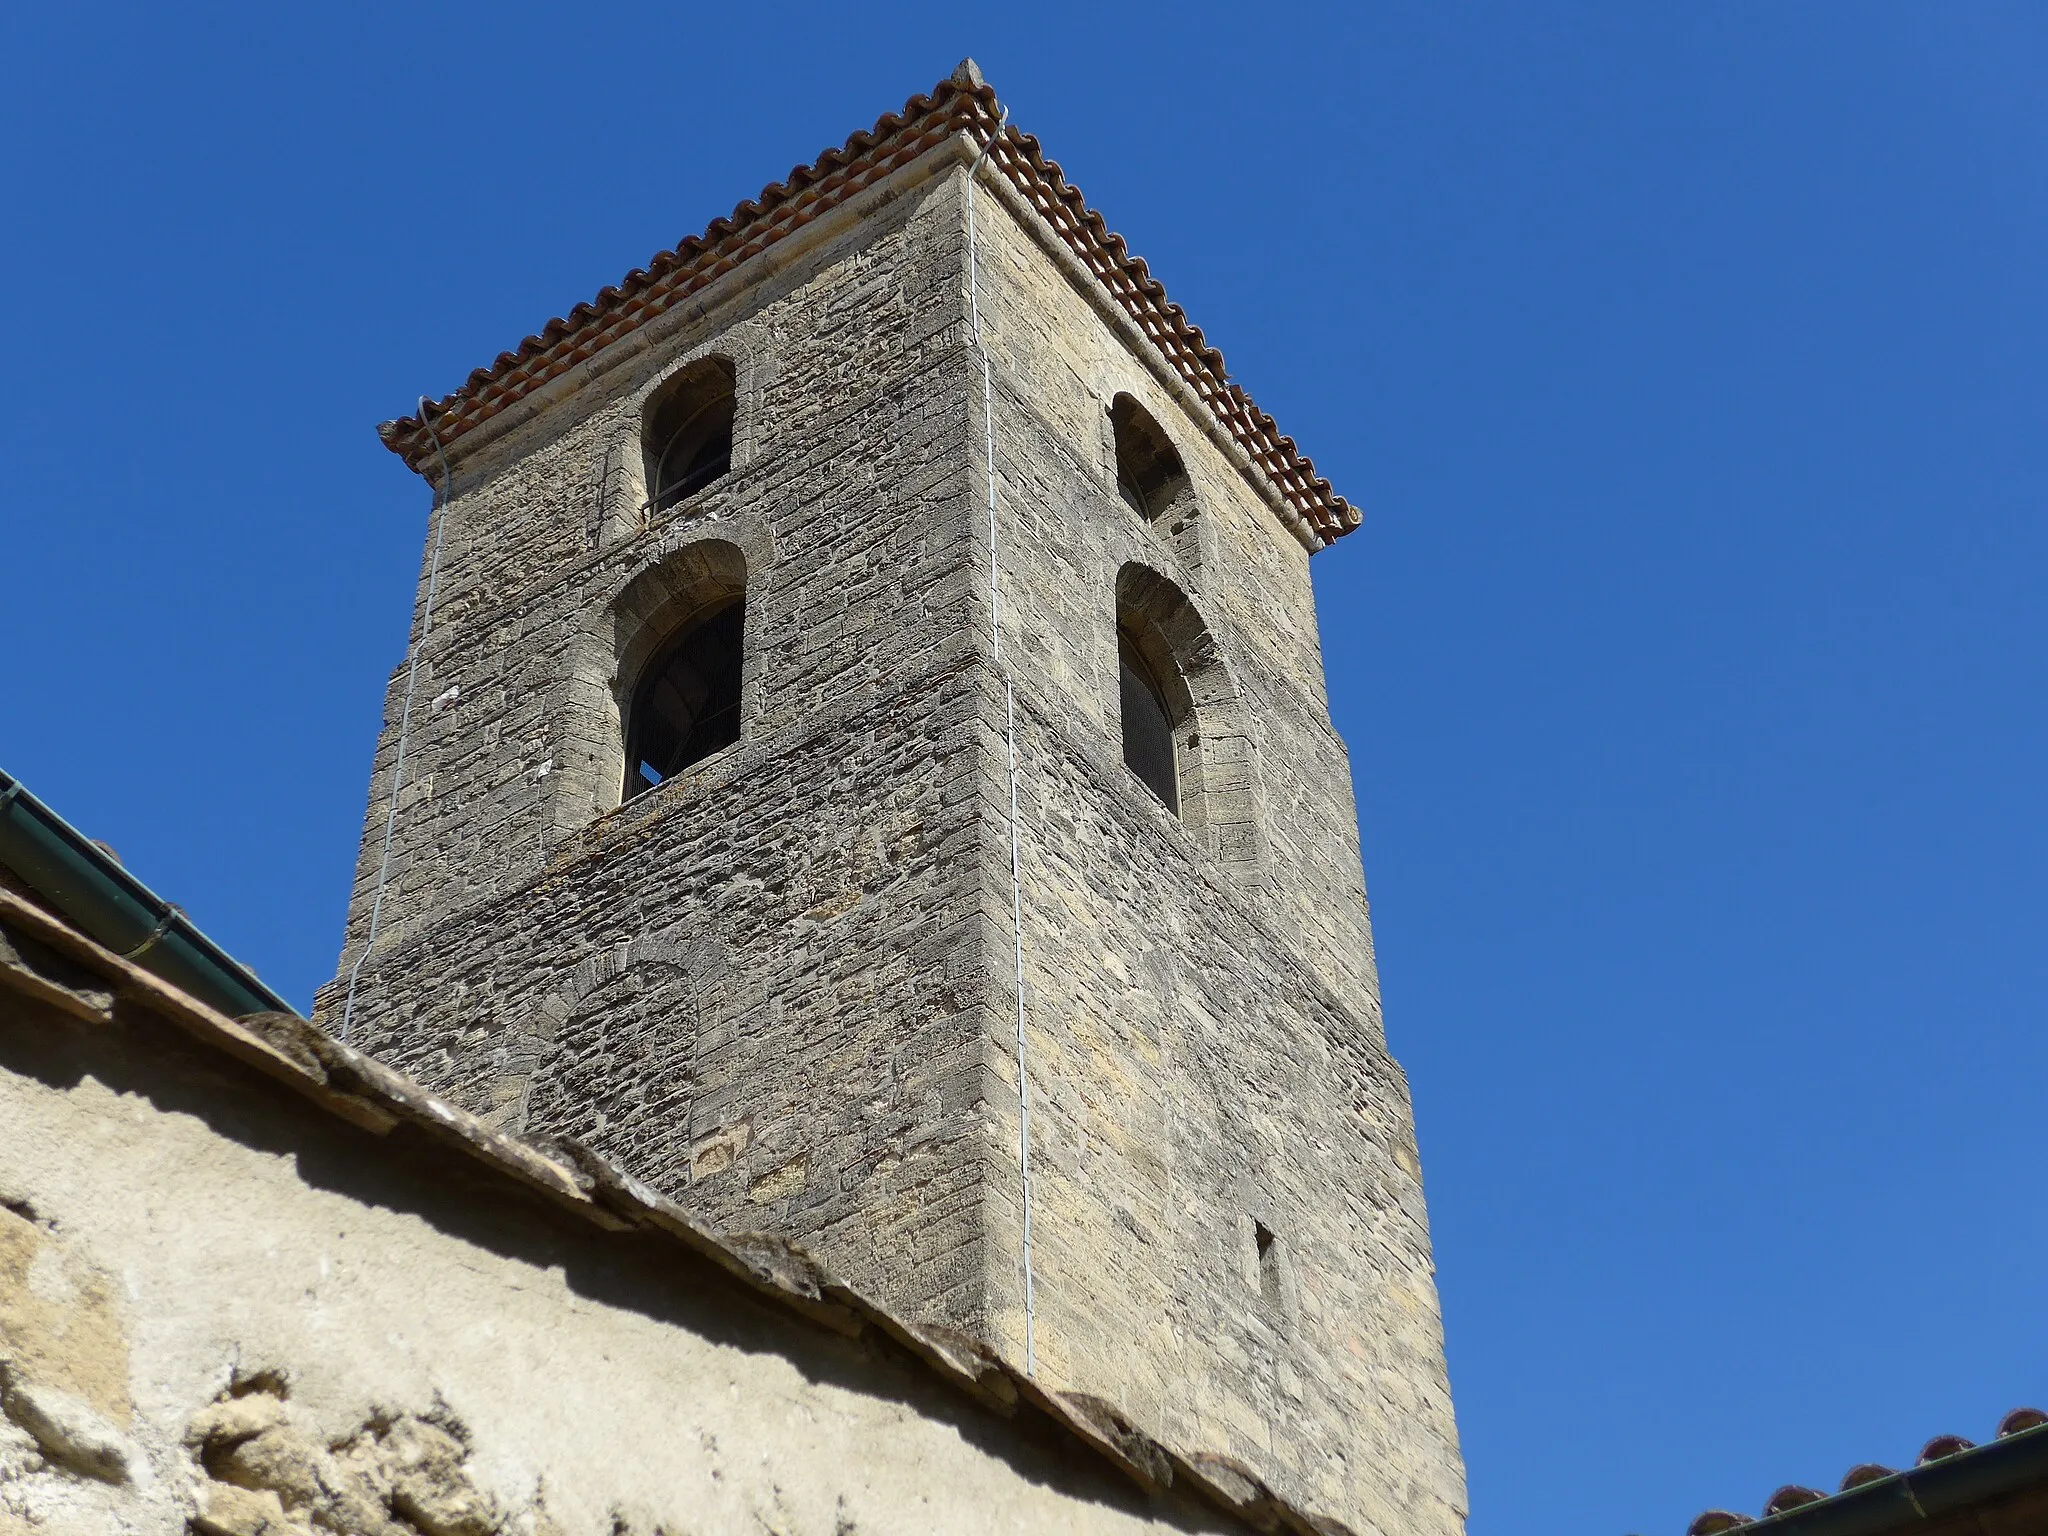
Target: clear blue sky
[{"x": 1688, "y": 360}]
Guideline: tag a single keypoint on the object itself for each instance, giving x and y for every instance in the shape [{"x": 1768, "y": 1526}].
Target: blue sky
[{"x": 1688, "y": 361}]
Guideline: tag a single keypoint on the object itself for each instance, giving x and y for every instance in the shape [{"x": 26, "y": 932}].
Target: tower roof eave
[{"x": 961, "y": 103}]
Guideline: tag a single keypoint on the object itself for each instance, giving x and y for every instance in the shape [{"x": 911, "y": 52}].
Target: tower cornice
[{"x": 962, "y": 103}]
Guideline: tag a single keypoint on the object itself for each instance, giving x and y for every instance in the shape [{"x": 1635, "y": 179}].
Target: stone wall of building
[
  {"x": 1229, "y": 1230},
  {"x": 764, "y": 983},
  {"x": 252, "y": 1284},
  {"x": 846, "y": 501},
  {"x": 780, "y": 987}
]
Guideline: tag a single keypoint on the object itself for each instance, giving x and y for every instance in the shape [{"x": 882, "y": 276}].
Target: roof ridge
[{"x": 963, "y": 102}]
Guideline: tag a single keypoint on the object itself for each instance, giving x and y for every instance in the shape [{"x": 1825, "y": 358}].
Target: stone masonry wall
[
  {"x": 1205, "y": 1050},
  {"x": 227, "y": 1311},
  {"x": 779, "y": 988},
  {"x": 846, "y": 497},
  {"x": 759, "y": 986}
]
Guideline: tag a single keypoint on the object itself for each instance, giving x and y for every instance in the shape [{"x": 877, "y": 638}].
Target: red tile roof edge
[
  {"x": 961, "y": 103},
  {"x": 1793, "y": 1497}
]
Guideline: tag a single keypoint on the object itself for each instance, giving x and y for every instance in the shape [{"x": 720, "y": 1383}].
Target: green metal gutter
[{"x": 84, "y": 884}]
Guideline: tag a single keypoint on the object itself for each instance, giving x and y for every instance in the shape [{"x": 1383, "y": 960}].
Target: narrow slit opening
[{"x": 1269, "y": 1263}]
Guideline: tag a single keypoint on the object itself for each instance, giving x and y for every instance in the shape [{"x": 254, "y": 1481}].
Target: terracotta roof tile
[
  {"x": 1715, "y": 1521},
  {"x": 1792, "y": 1496},
  {"x": 963, "y": 103},
  {"x": 1944, "y": 1445}
]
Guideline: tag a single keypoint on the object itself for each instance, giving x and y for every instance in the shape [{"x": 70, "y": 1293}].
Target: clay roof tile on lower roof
[
  {"x": 962, "y": 103},
  {"x": 1793, "y": 1498}
]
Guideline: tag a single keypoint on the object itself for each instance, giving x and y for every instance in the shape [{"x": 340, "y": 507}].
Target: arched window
[
  {"x": 1149, "y": 472},
  {"x": 1149, "y": 749},
  {"x": 1185, "y": 728},
  {"x": 686, "y": 705},
  {"x": 687, "y": 434}
]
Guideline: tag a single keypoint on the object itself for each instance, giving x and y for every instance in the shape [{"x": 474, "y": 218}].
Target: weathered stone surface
[
  {"x": 401, "y": 1475},
  {"x": 66, "y": 1429},
  {"x": 63, "y": 1356},
  {"x": 333, "y": 1330},
  {"x": 779, "y": 989}
]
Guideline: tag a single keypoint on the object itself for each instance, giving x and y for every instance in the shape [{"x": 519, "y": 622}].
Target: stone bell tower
[{"x": 750, "y": 582}]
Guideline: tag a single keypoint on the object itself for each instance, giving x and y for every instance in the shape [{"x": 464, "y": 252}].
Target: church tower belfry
[{"x": 869, "y": 775}]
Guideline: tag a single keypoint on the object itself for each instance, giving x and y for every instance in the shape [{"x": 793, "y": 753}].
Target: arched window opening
[
  {"x": 1186, "y": 733},
  {"x": 1149, "y": 472},
  {"x": 688, "y": 435},
  {"x": 687, "y": 704},
  {"x": 1149, "y": 749}
]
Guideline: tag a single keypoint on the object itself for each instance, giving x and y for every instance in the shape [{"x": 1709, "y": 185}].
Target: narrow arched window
[
  {"x": 1186, "y": 732},
  {"x": 688, "y": 433},
  {"x": 1148, "y": 728},
  {"x": 687, "y": 703},
  {"x": 1149, "y": 472}
]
